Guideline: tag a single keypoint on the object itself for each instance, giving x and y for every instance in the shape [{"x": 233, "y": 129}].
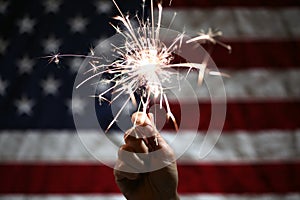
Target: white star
[
  {"x": 25, "y": 65},
  {"x": 3, "y": 6},
  {"x": 78, "y": 24},
  {"x": 50, "y": 86},
  {"x": 52, "y": 6},
  {"x": 3, "y": 45},
  {"x": 103, "y": 6},
  {"x": 24, "y": 106},
  {"x": 26, "y": 25},
  {"x": 51, "y": 44},
  {"x": 76, "y": 105},
  {"x": 75, "y": 64},
  {"x": 3, "y": 86}
]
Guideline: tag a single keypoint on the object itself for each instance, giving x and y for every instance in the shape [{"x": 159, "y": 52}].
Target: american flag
[{"x": 257, "y": 155}]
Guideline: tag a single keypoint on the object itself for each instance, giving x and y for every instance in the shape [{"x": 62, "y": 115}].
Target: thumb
[{"x": 144, "y": 126}]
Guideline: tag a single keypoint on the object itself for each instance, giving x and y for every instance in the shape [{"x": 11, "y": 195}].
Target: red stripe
[
  {"x": 247, "y": 178},
  {"x": 232, "y": 3},
  {"x": 266, "y": 54},
  {"x": 47, "y": 178},
  {"x": 251, "y": 116},
  {"x": 205, "y": 178}
]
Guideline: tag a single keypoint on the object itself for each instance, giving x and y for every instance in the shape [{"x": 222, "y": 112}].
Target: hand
[{"x": 146, "y": 168}]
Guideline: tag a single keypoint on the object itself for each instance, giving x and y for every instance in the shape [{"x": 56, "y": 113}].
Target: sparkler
[{"x": 144, "y": 63}]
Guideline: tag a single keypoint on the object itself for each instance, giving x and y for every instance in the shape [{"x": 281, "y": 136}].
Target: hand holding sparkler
[{"x": 140, "y": 140}]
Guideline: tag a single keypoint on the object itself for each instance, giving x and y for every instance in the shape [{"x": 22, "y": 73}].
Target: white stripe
[
  {"x": 294, "y": 196},
  {"x": 252, "y": 84},
  {"x": 238, "y": 23},
  {"x": 237, "y": 146}
]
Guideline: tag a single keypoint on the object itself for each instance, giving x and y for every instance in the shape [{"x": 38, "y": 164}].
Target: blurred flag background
[{"x": 258, "y": 154}]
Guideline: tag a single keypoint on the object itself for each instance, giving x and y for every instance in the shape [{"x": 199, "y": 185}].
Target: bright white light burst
[{"x": 144, "y": 63}]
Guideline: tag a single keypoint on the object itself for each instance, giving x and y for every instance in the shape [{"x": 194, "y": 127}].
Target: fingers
[
  {"x": 142, "y": 119},
  {"x": 129, "y": 163},
  {"x": 152, "y": 139},
  {"x": 136, "y": 143},
  {"x": 139, "y": 141},
  {"x": 143, "y": 125}
]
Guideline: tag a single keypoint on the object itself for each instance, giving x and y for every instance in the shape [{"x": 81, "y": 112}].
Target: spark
[
  {"x": 54, "y": 58},
  {"x": 144, "y": 62},
  {"x": 210, "y": 36}
]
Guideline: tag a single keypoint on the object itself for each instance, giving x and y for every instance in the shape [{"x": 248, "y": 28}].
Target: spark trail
[{"x": 144, "y": 62}]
